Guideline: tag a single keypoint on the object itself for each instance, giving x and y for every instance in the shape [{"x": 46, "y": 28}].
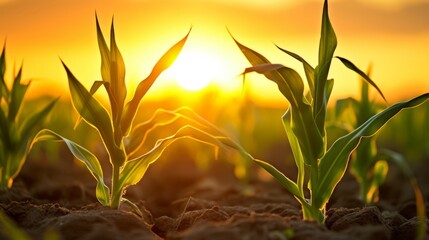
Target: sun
[{"x": 194, "y": 70}]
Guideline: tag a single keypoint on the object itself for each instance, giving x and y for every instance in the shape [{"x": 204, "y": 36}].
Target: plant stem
[{"x": 116, "y": 193}]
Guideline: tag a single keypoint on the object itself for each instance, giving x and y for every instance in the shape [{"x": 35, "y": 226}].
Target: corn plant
[
  {"x": 369, "y": 164},
  {"x": 16, "y": 131},
  {"x": 304, "y": 122},
  {"x": 121, "y": 141}
]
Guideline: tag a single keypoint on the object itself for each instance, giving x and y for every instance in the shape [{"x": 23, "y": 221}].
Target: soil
[{"x": 179, "y": 200}]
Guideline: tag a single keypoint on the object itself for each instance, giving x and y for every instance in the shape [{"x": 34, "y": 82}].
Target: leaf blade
[{"x": 333, "y": 164}]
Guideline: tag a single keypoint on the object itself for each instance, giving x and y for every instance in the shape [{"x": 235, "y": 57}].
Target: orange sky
[{"x": 392, "y": 35}]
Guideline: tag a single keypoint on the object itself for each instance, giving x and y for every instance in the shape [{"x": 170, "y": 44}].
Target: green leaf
[
  {"x": 135, "y": 169},
  {"x": 32, "y": 123},
  {"x": 113, "y": 73},
  {"x": 163, "y": 63},
  {"x": 282, "y": 179},
  {"x": 4, "y": 91},
  {"x": 94, "y": 113},
  {"x": 291, "y": 86},
  {"x": 327, "y": 46},
  {"x": 166, "y": 119},
  {"x": 296, "y": 150},
  {"x": 333, "y": 164},
  {"x": 91, "y": 162},
  {"x": 309, "y": 70},
  {"x": 352, "y": 67},
  {"x": 117, "y": 73},
  {"x": 17, "y": 96}
]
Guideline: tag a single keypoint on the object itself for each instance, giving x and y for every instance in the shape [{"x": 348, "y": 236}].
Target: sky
[{"x": 391, "y": 35}]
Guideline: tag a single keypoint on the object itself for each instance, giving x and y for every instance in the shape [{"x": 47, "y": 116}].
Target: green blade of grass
[
  {"x": 163, "y": 63},
  {"x": 353, "y": 67},
  {"x": 91, "y": 162},
  {"x": 333, "y": 164}
]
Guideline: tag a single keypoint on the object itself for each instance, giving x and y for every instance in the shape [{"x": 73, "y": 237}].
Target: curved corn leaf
[
  {"x": 353, "y": 67},
  {"x": 92, "y": 111},
  {"x": 91, "y": 162},
  {"x": 165, "y": 118},
  {"x": 135, "y": 169},
  {"x": 94, "y": 88},
  {"x": 344, "y": 105},
  {"x": 17, "y": 96},
  {"x": 291, "y": 86},
  {"x": 282, "y": 179},
  {"x": 327, "y": 46},
  {"x": 333, "y": 164},
  {"x": 296, "y": 150},
  {"x": 308, "y": 69},
  {"x": 163, "y": 63}
]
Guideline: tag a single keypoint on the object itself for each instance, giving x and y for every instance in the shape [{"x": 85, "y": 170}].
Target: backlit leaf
[
  {"x": 163, "y": 63},
  {"x": 91, "y": 162},
  {"x": 333, "y": 164},
  {"x": 92, "y": 111},
  {"x": 17, "y": 96},
  {"x": 352, "y": 67},
  {"x": 327, "y": 46}
]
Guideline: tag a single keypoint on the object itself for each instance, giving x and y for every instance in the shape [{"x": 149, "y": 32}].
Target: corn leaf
[
  {"x": 91, "y": 110},
  {"x": 4, "y": 91},
  {"x": 333, "y": 164},
  {"x": 353, "y": 67},
  {"x": 17, "y": 96},
  {"x": 135, "y": 169},
  {"x": 91, "y": 162},
  {"x": 166, "y": 119},
  {"x": 117, "y": 74},
  {"x": 308, "y": 69},
  {"x": 291, "y": 86},
  {"x": 282, "y": 179},
  {"x": 29, "y": 127},
  {"x": 327, "y": 45},
  {"x": 163, "y": 63},
  {"x": 296, "y": 150}
]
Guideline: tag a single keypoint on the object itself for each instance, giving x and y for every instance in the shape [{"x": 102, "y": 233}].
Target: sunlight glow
[{"x": 194, "y": 70}]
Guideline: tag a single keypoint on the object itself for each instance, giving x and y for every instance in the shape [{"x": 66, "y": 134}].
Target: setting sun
[{"x": 194, "y": 70}]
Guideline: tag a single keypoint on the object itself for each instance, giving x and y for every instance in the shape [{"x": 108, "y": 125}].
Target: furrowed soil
[{"x": 180, "y": 200}]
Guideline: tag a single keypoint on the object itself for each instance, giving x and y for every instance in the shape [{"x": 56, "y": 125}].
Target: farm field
[{"x": 273, "y": 151}]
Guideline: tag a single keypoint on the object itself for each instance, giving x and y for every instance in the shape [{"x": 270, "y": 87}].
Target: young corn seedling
[
  {"x": 128, "y": 164},
  {"x": 369, "y": 164},
  {"x": 16, "y": 131},
  {"x": 319, "y": 168}
]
